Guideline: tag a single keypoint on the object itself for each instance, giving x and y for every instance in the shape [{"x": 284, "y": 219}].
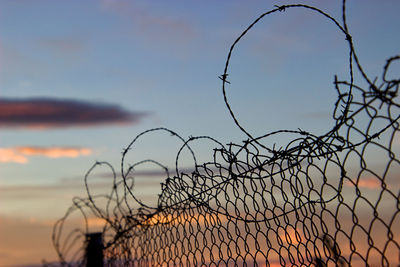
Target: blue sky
[{"x": 162, "y": 59}]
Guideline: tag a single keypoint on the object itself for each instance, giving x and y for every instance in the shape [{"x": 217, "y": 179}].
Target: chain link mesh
[{"x": 328, "y": 200}]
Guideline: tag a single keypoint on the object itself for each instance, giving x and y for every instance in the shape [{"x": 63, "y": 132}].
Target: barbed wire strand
[{"x": 321, "y": 200}]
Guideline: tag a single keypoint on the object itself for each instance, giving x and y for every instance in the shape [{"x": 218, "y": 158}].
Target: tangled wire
[{"x": 321, "y": 200}]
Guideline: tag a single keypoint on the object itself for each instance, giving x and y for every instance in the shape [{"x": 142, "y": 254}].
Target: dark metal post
[{"x": 94, "y": 250}]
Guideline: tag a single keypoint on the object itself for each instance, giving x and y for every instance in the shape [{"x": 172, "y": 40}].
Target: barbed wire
[{"x": 322, "y": 200}]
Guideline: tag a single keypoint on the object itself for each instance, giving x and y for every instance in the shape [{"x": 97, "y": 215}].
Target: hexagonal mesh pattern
[{"x": 329, "y": 200}]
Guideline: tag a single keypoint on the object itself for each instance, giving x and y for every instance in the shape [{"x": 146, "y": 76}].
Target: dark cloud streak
[{"x": 44, "y": 113}]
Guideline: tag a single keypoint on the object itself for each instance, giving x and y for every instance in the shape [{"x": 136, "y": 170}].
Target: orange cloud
[
  {"x": 367, "y": 182},
  {"x": 10, "y": 155},
  {"x": 55, "y": 152},
  {"x": 371, "y": 183},
  {"x": 20, "y": 154}
]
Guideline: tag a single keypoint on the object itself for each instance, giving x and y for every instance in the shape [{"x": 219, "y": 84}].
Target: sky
[{"x": 80, "y": 79}]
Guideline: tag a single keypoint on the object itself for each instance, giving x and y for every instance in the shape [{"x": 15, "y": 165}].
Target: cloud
[
  {"x": 367, "y": 182},
  {"x": 371, "y": 183},
  {"x": 55, "y": 152},
  {"x": 150, "y": 172},
  {"x": 21, "y": 154},
  {"x": 10, "y": 155},
  {"x": 44, "y": 113}
]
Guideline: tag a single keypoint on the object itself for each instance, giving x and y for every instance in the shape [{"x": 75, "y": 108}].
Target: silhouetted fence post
[{"x": 94, "y": 250}]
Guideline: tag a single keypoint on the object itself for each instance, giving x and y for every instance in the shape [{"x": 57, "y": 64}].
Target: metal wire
[{"x": 323, "y": 200}]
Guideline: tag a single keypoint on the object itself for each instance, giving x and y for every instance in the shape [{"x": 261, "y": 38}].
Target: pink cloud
[{"x": 21, "y": 154}]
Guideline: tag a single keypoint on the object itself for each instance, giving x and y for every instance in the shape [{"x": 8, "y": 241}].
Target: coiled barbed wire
[{"x": 321, "y": 200}]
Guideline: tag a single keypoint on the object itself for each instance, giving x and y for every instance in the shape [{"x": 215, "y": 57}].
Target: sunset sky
[{"x": 80, "y": 79}]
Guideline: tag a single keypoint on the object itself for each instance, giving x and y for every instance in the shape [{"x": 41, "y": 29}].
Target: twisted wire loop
[{"x": 326, "y": 200}]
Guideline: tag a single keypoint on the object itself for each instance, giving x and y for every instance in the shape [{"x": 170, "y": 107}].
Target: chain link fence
[{"x": 322, "y": 200}]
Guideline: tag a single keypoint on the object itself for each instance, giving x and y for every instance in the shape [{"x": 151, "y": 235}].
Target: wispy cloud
[
  {"x": 21, "y": 154},
  {"x": 44, "y": 113}
]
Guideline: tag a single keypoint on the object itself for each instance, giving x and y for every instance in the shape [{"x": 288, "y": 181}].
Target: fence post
[{"x": 94, "y": 250}]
